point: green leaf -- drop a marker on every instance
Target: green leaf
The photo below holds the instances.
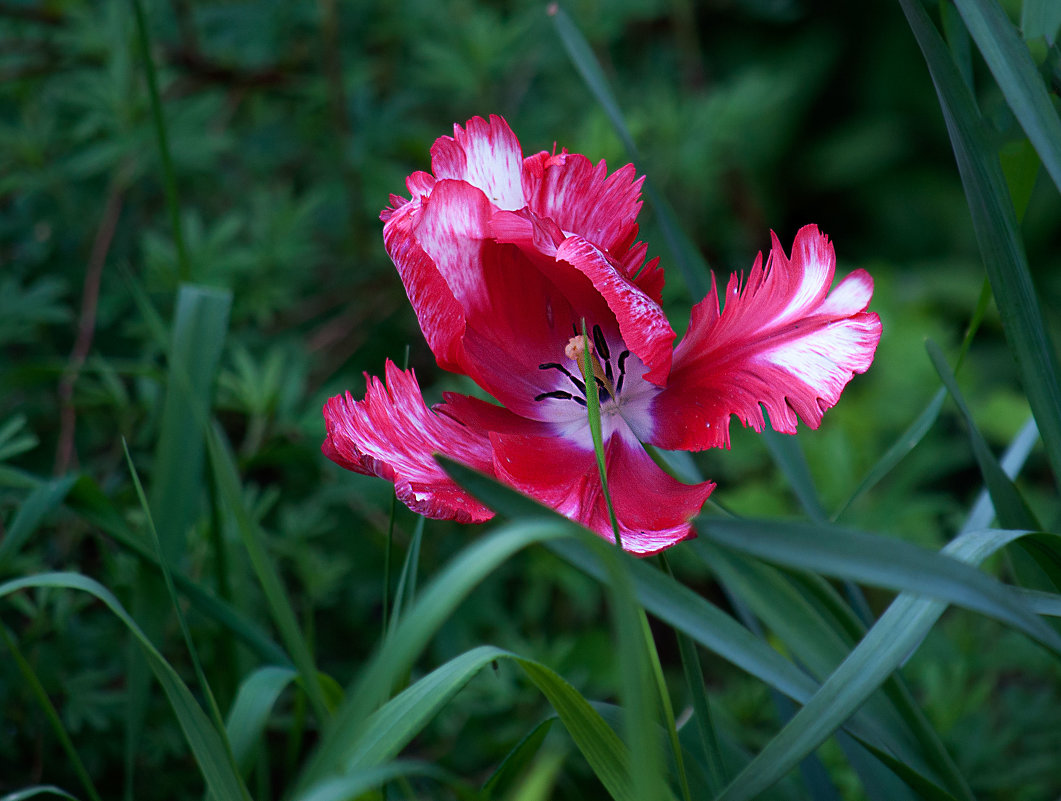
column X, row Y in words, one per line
column 517, row 761
column 354, row 786
column 251, row 710
column 32, row 792
column 45, row 498
column 891, row 640
column 879, row 562
column 997, row 235
column 1009, row 505
column 398, row 652
column 227, row 478
column 205, row 741
column 1010, row 62
column 1040, row 18
column 690, row 263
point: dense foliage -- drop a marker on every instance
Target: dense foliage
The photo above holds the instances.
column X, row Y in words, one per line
column 183, row 285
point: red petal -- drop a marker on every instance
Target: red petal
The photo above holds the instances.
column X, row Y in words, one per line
column 642, row 323
column 783, row 341
column 439, row 313
column 486, row 155
column 653, row 510
column 583, row 199
column 393, row 435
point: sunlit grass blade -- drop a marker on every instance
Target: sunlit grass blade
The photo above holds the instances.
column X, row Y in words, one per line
column 891, row 640
column 31, row 511
column 280, row 606
column 207, row 746
column 1010, row 62
column 517, row 760
column 997, row 235
column 250, row 712
column 881, row 562
column 398, row 652
column 690, row 263
column 50, row 712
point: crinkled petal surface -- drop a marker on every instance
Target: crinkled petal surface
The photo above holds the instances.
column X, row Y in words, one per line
column 653, row 510
column 393, row 435
column 782, row 342
column 485, row 154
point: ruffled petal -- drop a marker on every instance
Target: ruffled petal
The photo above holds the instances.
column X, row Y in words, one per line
column 393, row 435
column 652, row 509
column 642, row 322
column 486, row 155
column 583, row 199
column 782, row 342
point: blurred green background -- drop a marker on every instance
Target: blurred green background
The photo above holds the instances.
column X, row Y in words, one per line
column 289, row 125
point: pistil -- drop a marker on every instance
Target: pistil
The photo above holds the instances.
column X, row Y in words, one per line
column 575, row 349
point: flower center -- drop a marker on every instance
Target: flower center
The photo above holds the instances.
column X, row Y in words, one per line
column 608, row 379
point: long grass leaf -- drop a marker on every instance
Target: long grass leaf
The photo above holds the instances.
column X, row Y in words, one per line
column 204, row 740
column 517, row 760
column 1010, row 506
column 398, row 652
column 1010, row 62
column 276, row 596
column 997, row 235
column 251, row 710
column 33, row 792
column 891, row 640
column 880, row 562
column 690, row 263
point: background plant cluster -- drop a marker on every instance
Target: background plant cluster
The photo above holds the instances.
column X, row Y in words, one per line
column 288, row 124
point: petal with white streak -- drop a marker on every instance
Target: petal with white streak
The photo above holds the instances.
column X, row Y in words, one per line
column 782, row 342
column 486, row 155
column 393, row 435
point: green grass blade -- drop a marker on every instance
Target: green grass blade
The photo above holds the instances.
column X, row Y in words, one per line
column 33, row 792
column 199, row 326
column 207, row 747
column 1010, row 506
column 88, row 500
column 355, row 786
column 406, row 591
column 997, row 236
column 788, row 456
column 283, row 613
column 672, row 603
column 891, row 640
column 56, row 722
column 1010, row 62
column 169, row 178
column 433, row 606
column 1040, row 19
column 251, row 710
column 31, row 511
column 880, row 562
column 690, row 263
column 983, row 510
column 517, row 760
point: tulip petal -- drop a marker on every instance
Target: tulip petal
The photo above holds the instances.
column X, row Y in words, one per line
column 653, row 510
column 486, row 155
column 393, row 435
column 642, row 322
column 783, row 342
column 583, row 199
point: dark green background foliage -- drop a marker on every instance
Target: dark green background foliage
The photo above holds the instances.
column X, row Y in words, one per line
column 289, row 123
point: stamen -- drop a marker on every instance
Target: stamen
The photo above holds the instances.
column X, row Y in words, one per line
column 559, row 394
column 579, row 384
column 576, row 350
column 622, row 370
column 601, row 343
